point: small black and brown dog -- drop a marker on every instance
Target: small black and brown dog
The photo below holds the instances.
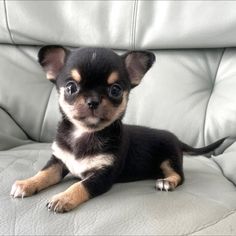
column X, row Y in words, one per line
column 91, row 142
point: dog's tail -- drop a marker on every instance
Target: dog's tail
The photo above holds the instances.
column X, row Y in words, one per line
column 203, row 150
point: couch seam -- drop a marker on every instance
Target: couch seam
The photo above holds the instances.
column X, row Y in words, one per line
column 131, row 28
column 211, row 92
column 45, row 110
column 7, row 22
column 16, row 122
column 214, row 223
column 133, row 25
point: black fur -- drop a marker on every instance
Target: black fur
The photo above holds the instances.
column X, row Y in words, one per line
column 137, row 152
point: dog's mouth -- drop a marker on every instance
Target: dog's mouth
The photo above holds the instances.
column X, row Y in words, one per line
column 92, row 119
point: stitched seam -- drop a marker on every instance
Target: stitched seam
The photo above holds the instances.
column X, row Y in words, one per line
column 45, row 110
column 17, row 124
column 211, row 92
column 214, row 223
column 7, row 22
column 133, row 25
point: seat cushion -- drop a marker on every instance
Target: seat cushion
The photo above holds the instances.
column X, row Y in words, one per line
column 202, row 202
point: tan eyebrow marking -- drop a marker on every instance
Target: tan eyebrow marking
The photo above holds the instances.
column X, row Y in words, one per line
column 113, row 77
column 75, row 75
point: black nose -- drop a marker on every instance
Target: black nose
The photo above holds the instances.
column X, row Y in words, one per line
column 93, row 102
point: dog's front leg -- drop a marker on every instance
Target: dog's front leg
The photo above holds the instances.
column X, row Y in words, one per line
column 96, row 184
column 51, row 174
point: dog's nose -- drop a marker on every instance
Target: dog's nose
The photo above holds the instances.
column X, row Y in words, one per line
column 93, row 102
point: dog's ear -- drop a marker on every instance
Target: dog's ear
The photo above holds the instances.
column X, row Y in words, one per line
column 52, row 59
column 137, row 63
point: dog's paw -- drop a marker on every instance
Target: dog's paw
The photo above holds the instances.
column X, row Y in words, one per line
column 164, row 184
column 60, row 203
column 23, row 188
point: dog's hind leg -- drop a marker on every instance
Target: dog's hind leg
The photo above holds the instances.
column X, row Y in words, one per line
column 173, row 176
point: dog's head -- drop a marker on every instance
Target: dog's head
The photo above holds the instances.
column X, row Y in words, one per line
column 93, row 83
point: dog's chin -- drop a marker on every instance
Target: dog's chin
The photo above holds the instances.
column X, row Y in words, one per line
column 92, row 123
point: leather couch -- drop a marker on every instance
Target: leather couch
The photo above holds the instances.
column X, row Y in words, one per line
column 191, row 91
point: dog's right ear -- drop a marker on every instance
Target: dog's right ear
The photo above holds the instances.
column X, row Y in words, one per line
column 52, row 59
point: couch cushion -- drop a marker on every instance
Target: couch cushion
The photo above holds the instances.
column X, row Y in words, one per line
column 88, row 23
column 134, row 208
column 26, row 95
column 119, row 24
column 185, row 24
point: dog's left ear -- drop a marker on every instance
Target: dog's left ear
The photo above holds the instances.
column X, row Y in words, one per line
column 52, row 58
column 137, row 63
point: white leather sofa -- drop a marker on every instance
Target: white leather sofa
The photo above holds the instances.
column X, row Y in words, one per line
column 191, row 91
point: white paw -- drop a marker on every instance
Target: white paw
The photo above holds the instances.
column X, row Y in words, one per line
column 22, row 188
column 17, row 191
column 163, row 184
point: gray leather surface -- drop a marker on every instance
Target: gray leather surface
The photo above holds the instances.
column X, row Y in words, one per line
column 227, row 162
column 127, row 209
column 22, row 76
column 223, row 225
column 11, row 134
column 120, row 24
column 4, row 34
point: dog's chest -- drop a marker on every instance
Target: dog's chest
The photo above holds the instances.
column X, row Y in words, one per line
column 78, row 167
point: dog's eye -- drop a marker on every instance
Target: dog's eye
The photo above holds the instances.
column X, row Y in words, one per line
column 115, row 91
column 71, row 88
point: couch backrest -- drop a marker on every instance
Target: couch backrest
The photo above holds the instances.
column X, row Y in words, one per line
column 188, row 91
column 119, row 24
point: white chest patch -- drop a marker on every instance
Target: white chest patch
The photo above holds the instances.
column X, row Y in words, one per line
column 78, row 166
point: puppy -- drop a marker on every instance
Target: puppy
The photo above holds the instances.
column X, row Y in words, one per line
column 91, row 142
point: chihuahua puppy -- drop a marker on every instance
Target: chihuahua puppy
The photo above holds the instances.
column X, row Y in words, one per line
column 91, row 142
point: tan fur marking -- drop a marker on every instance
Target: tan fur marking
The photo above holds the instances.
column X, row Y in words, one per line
column 41, row 180
column 114, row 112
column 69, row 199
column 113, row 78
column 75, row 75
column 70, row 111
column 47, row 177
column 123, row 105
column 170, row 175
